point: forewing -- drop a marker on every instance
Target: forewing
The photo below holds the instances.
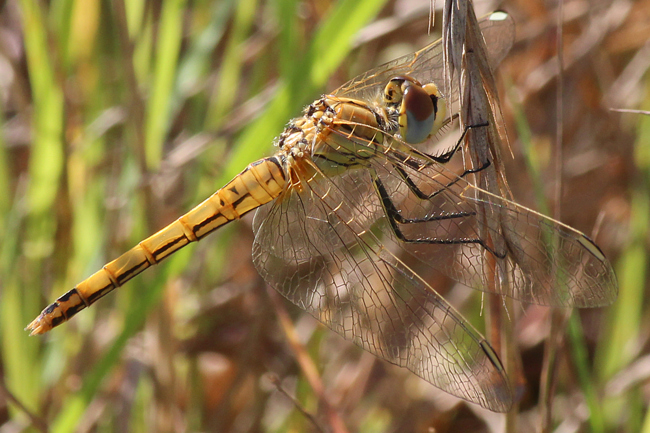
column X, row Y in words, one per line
column 462, row 228
column 303, row 229
column 426, row 64
column 334, row 266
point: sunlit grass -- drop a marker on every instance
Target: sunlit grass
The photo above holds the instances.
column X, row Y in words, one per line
column 138, row 75
column 138, row 110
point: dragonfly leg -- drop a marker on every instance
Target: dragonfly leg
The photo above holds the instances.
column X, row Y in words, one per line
column 406, row 158
column 421, row 195
column 395, row 218
column 446, row 156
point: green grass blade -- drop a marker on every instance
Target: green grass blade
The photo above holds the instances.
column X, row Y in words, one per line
column 227, row 90
column 170, row 34
column 26, row 251
column 331, row 43
column 620, row 345
column 139, row 308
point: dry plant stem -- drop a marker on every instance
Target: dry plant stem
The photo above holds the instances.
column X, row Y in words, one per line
column 625, row 110
column 601, row 25
column 627, row 89
column 479, row 100
column 276, row 381
column 162, row 364
column 36, row 421
column 559, row 116
column 92, row 418
column 557, row 317
column 494, row 318
column 307, row 365
column 136, row 107
column 478, row 103
column 222, row 418
column 136, row 110
column 511, row 359
column 164, row 347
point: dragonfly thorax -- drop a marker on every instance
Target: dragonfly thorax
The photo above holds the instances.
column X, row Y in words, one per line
column 334, row 133
column 295, row 140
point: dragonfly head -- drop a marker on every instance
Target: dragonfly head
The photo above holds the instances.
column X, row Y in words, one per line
column 419, row 110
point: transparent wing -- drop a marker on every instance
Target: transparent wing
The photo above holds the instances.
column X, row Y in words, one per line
column 426, row 65
column 320, row 249
column 459, row 229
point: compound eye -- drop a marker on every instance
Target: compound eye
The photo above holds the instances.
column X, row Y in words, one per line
column 421, row 113
column 419, row 110
column 417, row 114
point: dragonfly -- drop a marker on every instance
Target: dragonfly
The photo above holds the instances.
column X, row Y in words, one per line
column 353, row 198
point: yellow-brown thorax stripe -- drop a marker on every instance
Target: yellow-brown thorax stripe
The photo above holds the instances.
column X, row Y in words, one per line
column 349, row 132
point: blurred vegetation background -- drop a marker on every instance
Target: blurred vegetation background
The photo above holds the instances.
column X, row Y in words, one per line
column 118, row 116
